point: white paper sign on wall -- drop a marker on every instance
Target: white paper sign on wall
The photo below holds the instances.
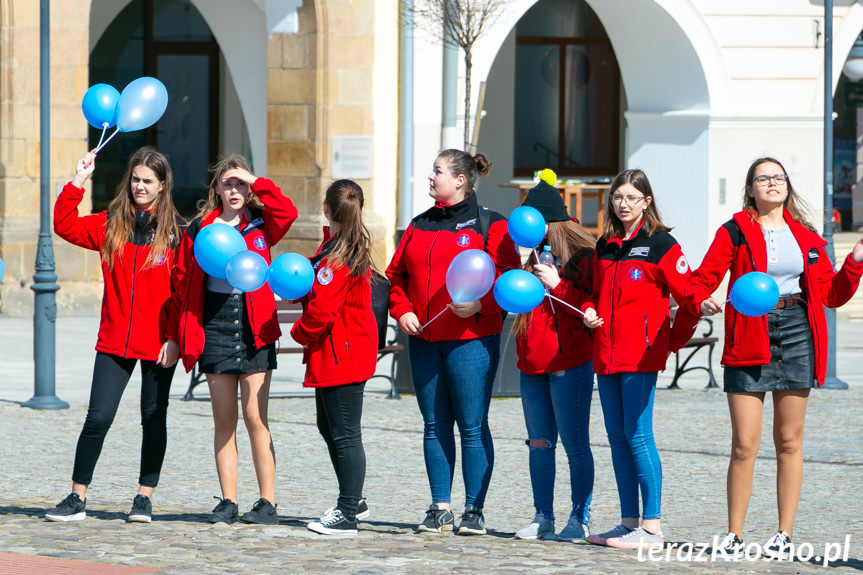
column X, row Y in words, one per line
column 352, row 157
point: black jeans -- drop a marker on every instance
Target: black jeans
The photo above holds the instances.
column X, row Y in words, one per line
column 340, row 410
column 111, row 374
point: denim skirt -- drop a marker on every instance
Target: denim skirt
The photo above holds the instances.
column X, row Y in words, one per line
column 229, row 344
column 792, row 356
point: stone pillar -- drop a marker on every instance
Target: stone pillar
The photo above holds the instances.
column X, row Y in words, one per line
column 19, row 135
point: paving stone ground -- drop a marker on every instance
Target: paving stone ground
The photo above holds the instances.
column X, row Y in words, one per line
column 692, row 432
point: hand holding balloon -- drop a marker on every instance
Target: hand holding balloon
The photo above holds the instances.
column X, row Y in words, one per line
column 710, row 307
column 409, row 323
column 591, row 320
column 84, row 169
column 466, row 309
column 547, row 275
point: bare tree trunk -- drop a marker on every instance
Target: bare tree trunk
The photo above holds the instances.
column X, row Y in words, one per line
column 468, row 64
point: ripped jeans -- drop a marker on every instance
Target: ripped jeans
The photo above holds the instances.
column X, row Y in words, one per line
column 559, row 403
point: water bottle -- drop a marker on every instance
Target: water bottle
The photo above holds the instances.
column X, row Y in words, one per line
column 545, row 257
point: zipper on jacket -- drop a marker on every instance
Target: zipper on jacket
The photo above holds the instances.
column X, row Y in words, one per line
column 333, row 348
column 428, row 282
column 646, row 332
column 131, row 299
column 611, row 315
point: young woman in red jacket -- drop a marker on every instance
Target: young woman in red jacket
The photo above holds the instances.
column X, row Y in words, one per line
column 339, row 334
column 136, row 238
column 554, row 356
column 783, row 352
column 453, row 358
column 232, row 335
column 637, row 265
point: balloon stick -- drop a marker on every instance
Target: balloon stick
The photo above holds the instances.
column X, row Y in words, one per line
column 434, row 318
column 102, row 144
column 104, row 129
column 564, row 303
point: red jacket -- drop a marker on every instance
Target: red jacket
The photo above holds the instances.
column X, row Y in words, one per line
column 261, row 228
column 632, row 281
column 135, row 319
column 338, row 328
column 739, row 246
column 556, row 337
column 418, row 269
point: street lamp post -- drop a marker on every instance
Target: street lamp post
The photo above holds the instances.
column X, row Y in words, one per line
column 831, row 381
column 44, row 280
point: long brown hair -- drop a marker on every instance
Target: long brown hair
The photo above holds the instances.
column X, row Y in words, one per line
column 219, row 169
column 352, row 246
column 571, row 243
column 612, row 227
column 472, row 167
column 796, row 205
column 122, row 213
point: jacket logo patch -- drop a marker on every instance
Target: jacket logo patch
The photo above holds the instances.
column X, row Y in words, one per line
column 682, row 265
column 325, row 275
column 813, row 256
column 260, row 244
column 463, row 240
column 465, row 224
column 640, row 252
column 636, row 274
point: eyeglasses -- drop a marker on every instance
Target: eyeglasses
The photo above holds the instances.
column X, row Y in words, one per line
column 628, row 200
column 780, row 179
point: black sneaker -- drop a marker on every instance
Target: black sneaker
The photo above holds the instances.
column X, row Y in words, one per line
column 779, row 546
column 436, row 521
column 333, row 523
column 472, row 522
column 263, row 513
column 142, row 510
column 731, row 548
column 225, row 512
column 70, row 509
column 362, row 510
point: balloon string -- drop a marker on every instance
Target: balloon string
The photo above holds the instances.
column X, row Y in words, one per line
column 564, row 303
column 102, row 145
column 434, row 318
column 104, row 129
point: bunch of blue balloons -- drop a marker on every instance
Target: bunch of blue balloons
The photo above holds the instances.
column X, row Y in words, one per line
column 221, row 251
column 140, row 106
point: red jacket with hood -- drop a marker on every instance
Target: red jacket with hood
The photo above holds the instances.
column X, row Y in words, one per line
column 739, row 246
column 135, row 312
column 418, row 269
column 632, row 282
column 337, row 330
column 261, row 228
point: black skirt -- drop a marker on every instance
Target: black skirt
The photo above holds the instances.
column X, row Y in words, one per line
column 229, row 344
column 792, row 356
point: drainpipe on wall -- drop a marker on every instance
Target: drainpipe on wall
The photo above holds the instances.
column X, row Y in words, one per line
column 406, row 121
column 449, row 135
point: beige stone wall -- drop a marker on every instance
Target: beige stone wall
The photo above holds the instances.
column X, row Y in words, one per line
column 20, row 182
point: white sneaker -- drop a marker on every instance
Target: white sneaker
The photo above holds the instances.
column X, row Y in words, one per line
column 731, row 547
column 575, row 531
column 779, row 546
column 540, row 528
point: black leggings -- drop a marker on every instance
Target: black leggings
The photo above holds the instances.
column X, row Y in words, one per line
column 340, row 410
column 111, row 373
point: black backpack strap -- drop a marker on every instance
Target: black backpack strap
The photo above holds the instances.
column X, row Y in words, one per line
column 484, row 219
column 735, row 232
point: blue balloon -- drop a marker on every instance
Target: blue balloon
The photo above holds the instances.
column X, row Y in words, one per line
column 518, row 291
column 526, row 226
column 100, row 105
column 141, row 104
column 470, row 275
column 754, row 294
column 214, row 246
column 2, row 271
column 291, row 276
column 246, row 270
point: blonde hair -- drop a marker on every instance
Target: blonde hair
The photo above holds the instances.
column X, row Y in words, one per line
column 219, row 169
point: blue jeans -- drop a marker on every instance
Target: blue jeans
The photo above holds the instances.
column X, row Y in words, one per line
column 560, row 404
column 453, row 382
column 627, row 406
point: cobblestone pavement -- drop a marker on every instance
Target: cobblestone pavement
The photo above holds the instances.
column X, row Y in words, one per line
column 692, row 433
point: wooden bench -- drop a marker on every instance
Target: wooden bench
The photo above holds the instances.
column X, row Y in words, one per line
column 690, row 349
column 289, row 313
